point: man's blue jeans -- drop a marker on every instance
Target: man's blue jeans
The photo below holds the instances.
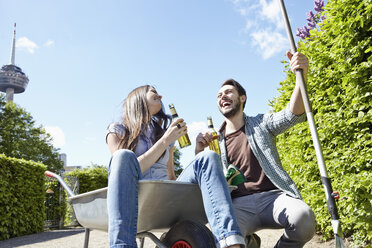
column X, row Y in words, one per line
column 205, row 170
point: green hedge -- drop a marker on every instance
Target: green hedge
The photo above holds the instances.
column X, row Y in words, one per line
column 91, row 178
column 22, row 197
column 340, row 89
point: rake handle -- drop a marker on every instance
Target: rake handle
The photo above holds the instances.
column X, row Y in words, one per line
column 314, row 134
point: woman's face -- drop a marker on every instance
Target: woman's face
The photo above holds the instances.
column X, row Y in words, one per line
column 153, row 100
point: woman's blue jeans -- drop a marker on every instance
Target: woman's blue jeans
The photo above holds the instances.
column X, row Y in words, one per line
column 205, row 170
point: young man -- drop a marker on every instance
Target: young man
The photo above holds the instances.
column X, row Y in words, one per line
column 269, row 198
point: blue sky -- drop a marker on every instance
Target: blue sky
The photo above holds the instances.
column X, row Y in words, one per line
column 83, row 57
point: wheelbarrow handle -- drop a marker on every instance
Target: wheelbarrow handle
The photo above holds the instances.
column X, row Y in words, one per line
column 61, row 181
column 49, row 174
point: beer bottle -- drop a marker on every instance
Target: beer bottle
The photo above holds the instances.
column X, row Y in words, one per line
column 184, row 139
column 214, row 145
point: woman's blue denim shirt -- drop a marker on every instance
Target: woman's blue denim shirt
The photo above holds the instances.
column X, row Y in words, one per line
column 158, row 171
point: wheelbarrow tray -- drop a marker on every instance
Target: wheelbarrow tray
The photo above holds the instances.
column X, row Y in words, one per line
column 161, row 204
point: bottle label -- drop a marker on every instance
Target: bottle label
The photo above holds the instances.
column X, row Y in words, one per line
column 173, row 111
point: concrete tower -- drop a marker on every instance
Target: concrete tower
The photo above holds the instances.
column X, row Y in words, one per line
column 12, row 79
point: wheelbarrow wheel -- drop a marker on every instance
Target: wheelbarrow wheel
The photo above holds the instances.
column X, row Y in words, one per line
column 189, row 234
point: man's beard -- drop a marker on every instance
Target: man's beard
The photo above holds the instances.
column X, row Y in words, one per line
column 233, row 111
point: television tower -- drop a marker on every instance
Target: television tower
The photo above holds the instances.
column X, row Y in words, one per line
column 12, row 79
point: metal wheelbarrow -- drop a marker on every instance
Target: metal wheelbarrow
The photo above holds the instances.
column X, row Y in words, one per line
column 163, row 206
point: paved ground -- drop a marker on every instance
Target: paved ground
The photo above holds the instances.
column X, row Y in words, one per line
column 74, row 238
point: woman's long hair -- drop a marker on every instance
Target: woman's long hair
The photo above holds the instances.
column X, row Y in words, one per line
column 137, row 118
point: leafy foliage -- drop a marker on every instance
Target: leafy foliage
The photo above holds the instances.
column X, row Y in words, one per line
column 90, row 178
column 340, row 89
column 20, row 138
column 22, row 197
column 177, row 164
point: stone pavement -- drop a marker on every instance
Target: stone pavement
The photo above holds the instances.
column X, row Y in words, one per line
column 74, row 238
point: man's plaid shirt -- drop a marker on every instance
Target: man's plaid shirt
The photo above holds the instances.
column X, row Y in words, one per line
column 261, row 132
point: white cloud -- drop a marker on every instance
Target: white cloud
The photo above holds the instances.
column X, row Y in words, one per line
column 58, row 137
column 49, row 43
column 263, row 24
column 197, row 127
column 249, row 24
column 269, row 43
column 242, row 11
column 271, row 12
column 26, row 44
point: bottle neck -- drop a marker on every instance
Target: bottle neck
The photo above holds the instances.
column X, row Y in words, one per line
column 210, row 123
column 173, row 112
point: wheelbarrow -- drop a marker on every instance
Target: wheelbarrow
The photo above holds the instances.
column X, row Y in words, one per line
column 175, row 208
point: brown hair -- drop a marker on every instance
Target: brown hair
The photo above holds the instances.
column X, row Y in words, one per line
column 238, row 87
column 136, row 118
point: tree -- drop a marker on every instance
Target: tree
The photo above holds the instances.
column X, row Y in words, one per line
column 20, row 138
column 177, row 164
column 340, row 89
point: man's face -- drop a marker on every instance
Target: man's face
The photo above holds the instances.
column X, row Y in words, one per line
column 229, row 102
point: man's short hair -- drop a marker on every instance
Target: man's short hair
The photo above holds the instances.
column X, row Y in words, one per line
column 238, row 87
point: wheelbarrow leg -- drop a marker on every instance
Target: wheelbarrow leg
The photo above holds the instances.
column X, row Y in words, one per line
column 152, row 237
column 142, row 242
column 86, row 239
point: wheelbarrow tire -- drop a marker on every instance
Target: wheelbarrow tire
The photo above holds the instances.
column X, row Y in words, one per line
column 187, row 234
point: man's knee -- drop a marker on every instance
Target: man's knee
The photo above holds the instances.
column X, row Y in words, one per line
column 207, row 160
column 305, row 223
column 208, row 155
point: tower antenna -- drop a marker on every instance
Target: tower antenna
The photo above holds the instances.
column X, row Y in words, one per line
column 12, row 53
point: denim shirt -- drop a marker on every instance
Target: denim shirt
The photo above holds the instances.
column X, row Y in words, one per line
column 261, row 132
column 158, row 171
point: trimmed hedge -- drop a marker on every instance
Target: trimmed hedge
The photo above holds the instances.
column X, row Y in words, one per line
column 91, row 178
column 340, row 89
column 22, row 197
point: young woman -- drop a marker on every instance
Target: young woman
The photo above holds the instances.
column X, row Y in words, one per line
column 142, row 148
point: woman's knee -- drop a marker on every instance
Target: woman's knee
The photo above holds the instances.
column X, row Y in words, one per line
column 124, row 153
column 124, row 161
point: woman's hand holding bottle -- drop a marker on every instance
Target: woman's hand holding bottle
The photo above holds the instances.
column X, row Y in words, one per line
column 175, row 130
